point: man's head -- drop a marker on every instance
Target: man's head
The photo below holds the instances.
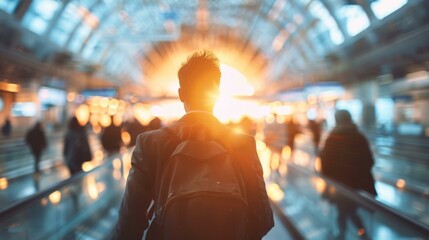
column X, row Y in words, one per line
column 199, row 79
column 343, row 117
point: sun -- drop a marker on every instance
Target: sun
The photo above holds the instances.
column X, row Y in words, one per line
column 234, row 83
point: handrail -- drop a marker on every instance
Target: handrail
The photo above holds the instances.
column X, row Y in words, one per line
column 368, row 202
column 29, row 200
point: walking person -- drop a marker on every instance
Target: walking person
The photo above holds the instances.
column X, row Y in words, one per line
column 76, row 147
column 347, row 159
column 6, row 129
column 35, row 138
column 316, row 130
column 221, row 197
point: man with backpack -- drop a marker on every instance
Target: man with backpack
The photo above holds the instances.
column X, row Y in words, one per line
column 195, row 179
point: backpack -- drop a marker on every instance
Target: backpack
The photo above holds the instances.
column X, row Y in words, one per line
column 202, row 192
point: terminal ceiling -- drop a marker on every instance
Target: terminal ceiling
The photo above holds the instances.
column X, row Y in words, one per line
column 276, row 44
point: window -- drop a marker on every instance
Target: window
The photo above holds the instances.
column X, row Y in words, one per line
column 65, row 25
column 383, row 8
column 327, row 23
column 355, row 18
column 8, row 5
column 39, row 14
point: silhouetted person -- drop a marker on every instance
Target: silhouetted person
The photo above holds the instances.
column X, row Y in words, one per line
column 111, row 138
column 316, row 130
column 154, row 124
column 6, row 129
column 134, row 128
column 199, row 79
column 347, row 158
column 36, row 140
column 292, row 129
column 247, row 126
column 76, row 147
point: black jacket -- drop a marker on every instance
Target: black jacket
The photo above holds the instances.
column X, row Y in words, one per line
column 347, row 158
column 153, row 148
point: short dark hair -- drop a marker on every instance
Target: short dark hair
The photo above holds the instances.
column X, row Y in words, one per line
column 199, row 74
column 343, row 117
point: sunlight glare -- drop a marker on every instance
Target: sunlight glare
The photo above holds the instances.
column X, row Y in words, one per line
column 234, row 83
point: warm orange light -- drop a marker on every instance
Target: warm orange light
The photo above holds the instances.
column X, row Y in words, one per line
column 82, row 114
column 400, row 183
column 234, row 83
column 104, row 102
column 3, row 183
column 87, row 166
column 117, row 163
column 96, row 129
column 92, row 187
column 44, row 201
column 275, row 192
column 286, row 152
column 232, row 109
column 55, row 197
column 71, row 96
column 318, row 164
column 105, row 120
column 126, row 138
column 117, row 120
column 319, row 184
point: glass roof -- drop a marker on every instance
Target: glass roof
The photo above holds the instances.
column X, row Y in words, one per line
column 115, row 33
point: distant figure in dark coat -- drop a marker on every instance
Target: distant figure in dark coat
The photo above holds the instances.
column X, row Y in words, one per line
column 292, row 129
column 111, row 138
column 154, row 124
column 6, row 129
column 76, row 147
column 315, row 129
column 36, row 140
column 134, row 128
column 347, row 158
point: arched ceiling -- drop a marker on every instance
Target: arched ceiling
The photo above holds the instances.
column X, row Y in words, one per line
column 276, row 44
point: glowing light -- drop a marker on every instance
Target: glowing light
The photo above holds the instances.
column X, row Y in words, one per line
column 105, row 120
column 318, row 164
column 283, row 169
column 286, row 152
column 361, row 232
column 270, row 119
column 275, row 192
column 82, row 114
column 126, row 137
column 234, row 83
column 142, row 113
column 231, row 109
column 55, row 197
column 400, row 183
column 104, row 102
column 87, row 166
column 44, row 201
column 92, row 187
column 113, row 103
column 283, row 110
column 117, row 120
column 157, row 111
column 117, row 163
column 96, row 129
column 319, row 184
column 71, row 96
column 3, row 183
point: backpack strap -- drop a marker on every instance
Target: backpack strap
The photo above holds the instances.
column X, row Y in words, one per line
column 176, row 141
